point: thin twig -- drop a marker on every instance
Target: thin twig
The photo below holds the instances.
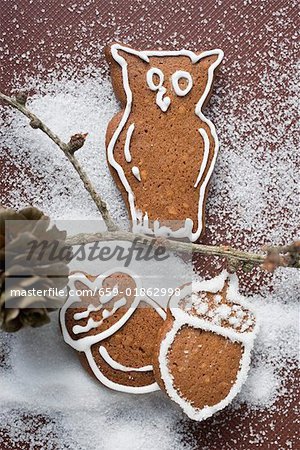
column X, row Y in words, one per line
column 250, row 259
column 176, row 246
column 68, row 150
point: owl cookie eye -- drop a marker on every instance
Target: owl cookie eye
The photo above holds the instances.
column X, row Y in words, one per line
column 182, row 75
column 155, row 78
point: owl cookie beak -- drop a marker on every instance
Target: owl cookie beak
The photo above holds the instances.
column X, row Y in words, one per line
column 162, row 102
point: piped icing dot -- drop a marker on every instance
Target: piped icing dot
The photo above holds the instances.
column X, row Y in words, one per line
column 202, row 308
column 240, row 313
column 233, row 320
column 136, row 172
column 223, row 311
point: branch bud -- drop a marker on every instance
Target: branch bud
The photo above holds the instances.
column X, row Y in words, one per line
column 76, row 142
column 35, row 123
column 21, row 97
column 273, row 260
column 294, row 255
column 232, row 264
column 248, row 266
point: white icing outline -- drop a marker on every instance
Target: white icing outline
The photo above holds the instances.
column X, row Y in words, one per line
column 205, row 156
column 84, row 344
column 91, row 323
column 127, row 143
column 149, row 78
column 115, row 365
column 137, row 222
column 182, row 318
column 175, row 82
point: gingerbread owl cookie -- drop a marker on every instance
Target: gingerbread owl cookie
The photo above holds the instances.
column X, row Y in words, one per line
column 203, row 350
column 161, row 148
column 113, row 328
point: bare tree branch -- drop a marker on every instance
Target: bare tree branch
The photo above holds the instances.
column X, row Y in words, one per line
column 245, row 259
column 69, row 149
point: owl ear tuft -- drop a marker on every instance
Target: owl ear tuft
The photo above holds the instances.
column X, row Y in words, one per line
column 209, row 58
column 119, row 52
column 120, row 55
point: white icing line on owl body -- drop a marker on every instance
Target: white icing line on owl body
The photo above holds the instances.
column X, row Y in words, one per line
column 136, row 172
column 127, row 143
column 84, row 344
column 205, row 155
column 182, row 319
column 144, row 55
column 183, row 232
column 175, row 82
column 143, row 223
column 115, row 365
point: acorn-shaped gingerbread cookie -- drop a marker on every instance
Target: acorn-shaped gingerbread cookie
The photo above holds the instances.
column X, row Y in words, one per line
column 161, row 148
column 203, row 350
column 113, row 328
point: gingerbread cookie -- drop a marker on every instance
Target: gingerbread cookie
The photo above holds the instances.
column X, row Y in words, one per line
column 113, row 328
column 161, row 149
column 203, row 350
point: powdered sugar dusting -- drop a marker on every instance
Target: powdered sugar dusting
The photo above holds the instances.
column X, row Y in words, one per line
column 67, row 106
column 87, row 415
column 257, row 166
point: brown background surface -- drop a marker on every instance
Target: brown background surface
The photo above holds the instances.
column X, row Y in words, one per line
column 55, row 33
